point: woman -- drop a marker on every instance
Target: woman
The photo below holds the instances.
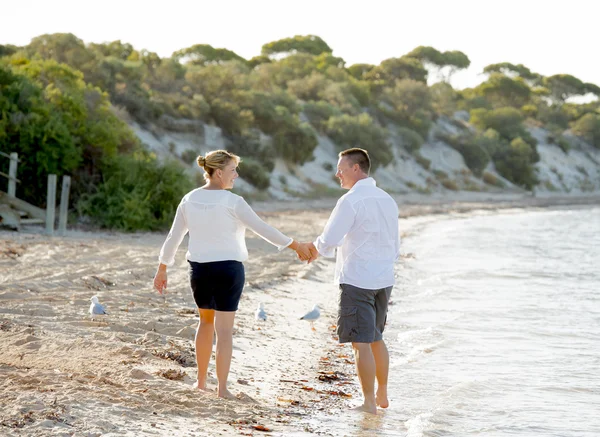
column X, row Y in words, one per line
column 216, row 220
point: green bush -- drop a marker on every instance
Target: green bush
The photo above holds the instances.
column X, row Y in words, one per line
column 409, row 104
column 473, row 149
column 588, row 127
column 423, row 162
column 319, row 112
column 230, row 117
column 58, row 125
column 295, row 143
column 255, row 172
column 411, row 140
column 508, row 122
column 189, row 156
column 449, row 184
column 491, row 179
column 515, row 163
column 361, row 131
column 248, row 145
column 136, row 192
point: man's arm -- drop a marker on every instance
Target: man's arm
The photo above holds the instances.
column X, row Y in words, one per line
column 339, row 224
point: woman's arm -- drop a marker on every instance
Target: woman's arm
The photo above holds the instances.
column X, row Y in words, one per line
column 174, row 239
column 252, row 221
column 169, row 248
column 160, row 279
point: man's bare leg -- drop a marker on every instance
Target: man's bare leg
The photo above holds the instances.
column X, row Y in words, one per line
column 204, row 343
column 224, row 330
column 365, row 367
column 382, row 368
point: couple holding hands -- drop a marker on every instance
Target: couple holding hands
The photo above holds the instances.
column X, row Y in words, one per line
column 363, row 227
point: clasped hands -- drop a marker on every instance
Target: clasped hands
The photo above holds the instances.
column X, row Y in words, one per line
column 307, row 252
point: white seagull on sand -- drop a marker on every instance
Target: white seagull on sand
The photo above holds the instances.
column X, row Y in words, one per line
column 96, row 308
column 260, row 313
column 312, row 315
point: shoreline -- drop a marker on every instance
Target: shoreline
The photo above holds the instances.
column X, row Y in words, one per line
column 290, row 377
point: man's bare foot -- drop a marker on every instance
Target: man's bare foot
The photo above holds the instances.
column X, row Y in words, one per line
column 381, row 398
column 225, row 394
column 366, row 408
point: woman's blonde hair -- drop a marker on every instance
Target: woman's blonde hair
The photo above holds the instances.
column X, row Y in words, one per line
column 216, row 159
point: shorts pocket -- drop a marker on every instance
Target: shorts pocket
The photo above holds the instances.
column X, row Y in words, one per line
column 347, row 327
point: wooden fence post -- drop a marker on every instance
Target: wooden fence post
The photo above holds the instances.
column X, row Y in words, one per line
column 12, row 174
column 64, row 205
column 50, row 204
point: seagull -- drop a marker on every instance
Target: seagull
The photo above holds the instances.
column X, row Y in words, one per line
column 96, row 308
column 311, row 316
column 260, row 313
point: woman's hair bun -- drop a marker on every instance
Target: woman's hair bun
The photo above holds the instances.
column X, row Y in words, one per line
column 201, row 161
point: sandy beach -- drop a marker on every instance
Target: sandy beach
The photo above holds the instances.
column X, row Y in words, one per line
column 131, row 372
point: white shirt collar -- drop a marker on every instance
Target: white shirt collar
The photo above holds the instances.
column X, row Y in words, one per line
column 366, row 182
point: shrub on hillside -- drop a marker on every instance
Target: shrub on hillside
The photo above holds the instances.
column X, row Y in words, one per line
column 255, row 172
column 588, row 127
column 491, row 179
column 319, row 112
column 508, row 122
column 409, row 104
column 189, row 156
column 422, row 161
column 411, row 140
column 361, row 131
column 248, row 145
column 230, row 117
column 295, row 143
column 515, row 163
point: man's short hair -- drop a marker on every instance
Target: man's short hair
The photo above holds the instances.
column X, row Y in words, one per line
column 358, row 156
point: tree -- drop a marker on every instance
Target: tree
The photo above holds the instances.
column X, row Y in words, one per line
column 592, row 89
column 7, row 50
column 310, row 44
column 512, row 70
column 393, row 69
column 204, row 54
column 61, row 47
column 502, row 91
column 115, row 49
column 564, row 86
column 444, row 64
column 358, row 71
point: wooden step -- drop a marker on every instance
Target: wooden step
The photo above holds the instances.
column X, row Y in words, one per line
column 32, row 221
column 21, row 205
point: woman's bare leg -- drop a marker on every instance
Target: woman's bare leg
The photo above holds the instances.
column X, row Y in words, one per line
column 224, row 329
column 204, row 342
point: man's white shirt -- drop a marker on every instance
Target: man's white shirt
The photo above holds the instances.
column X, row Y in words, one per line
column 364, row 227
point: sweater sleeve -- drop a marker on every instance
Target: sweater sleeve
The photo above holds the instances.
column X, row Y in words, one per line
column 252, row 221
column 175, row 237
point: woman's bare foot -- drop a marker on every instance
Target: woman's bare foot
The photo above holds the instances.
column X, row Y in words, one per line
column 202, row 387
column 381, row 398
column 366, row 408
column 225, row 394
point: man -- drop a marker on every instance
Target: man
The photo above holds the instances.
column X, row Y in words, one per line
column 364, row 226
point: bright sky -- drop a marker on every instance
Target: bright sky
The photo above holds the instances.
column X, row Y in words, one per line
column 549, row 36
